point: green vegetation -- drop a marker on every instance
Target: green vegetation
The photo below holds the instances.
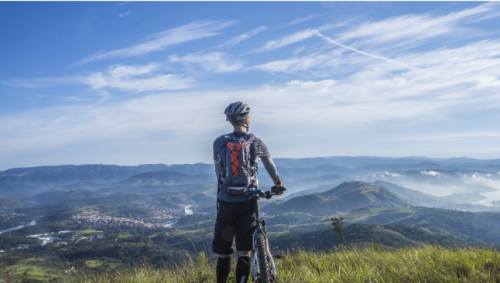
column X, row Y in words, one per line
column 8, row 205
column 93, row 263
column 352, row 264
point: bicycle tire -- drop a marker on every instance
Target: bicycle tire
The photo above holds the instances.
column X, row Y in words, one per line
column 261, row 250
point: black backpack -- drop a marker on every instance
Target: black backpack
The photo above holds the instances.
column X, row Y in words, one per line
column 238, row 163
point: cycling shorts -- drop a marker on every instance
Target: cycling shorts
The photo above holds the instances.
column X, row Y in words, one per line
column 235, row 220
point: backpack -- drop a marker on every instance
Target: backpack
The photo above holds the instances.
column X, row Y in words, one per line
column 239, row 165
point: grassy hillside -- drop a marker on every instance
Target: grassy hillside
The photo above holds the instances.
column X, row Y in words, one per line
column 8, row 205
column 370, row 264
column 482, row 226
column 345, row 197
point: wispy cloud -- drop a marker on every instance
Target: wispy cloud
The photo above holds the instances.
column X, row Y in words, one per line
column 212, row 61
column 137, row 79
column 242, row 37
column 166, row 39
column 413, row 27
column 128, row 13
column 44, row 82
column 312, row 60
column 296, row 37
column 301, row 20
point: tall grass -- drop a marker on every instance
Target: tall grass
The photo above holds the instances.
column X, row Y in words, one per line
column 368, row 264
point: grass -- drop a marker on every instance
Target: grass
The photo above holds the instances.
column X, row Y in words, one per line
column 354, row 264
column 93, row 263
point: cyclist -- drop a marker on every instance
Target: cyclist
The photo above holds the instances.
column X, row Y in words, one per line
column 236, row 215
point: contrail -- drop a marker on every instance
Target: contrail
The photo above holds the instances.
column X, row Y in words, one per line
column 361, row 52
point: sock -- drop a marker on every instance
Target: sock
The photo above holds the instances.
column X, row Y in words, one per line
column 223, row 268
column 243, row 269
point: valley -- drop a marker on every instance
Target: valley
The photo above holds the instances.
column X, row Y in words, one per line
column 120, row 216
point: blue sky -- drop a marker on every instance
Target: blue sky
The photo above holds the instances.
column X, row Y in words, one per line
column 134, row 83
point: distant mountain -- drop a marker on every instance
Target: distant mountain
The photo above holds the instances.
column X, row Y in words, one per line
column 58, row 196
column 360, row 161
column 149, row 189
column 53, row 176
column 442, row 181
column 398, row 167
column 345, row 197
column 87, row 186
column 418, row 198
column 162, row 178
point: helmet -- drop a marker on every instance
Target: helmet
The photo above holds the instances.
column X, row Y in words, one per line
column 237, row 111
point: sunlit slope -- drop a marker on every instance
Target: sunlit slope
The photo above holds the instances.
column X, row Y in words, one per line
column 347, row 196
column 482, row 226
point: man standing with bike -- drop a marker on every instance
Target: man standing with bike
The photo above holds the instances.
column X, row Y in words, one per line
column 236, row 158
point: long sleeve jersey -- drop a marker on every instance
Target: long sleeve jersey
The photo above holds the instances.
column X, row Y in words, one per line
column 260, row 148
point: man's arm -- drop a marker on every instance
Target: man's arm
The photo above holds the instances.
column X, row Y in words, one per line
column 218, row 167
column 268, row 162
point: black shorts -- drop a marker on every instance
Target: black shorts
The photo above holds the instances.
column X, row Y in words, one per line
column 234, row 220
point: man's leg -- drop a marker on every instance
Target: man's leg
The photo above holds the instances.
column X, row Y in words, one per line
column 243, row 266
column 223, row 268
column 247, row 223
column 224, row 232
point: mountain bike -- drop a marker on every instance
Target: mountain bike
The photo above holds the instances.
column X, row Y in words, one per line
column 262, row 258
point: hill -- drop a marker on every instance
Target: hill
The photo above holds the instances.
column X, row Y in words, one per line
column 59, row 207
column 345, row 197
column 59, row 196
column 162, row 178
column 475, row 227
column 8, row 205
column 18, row 191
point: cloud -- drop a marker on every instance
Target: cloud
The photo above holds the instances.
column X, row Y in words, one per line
column 242, row 37
column 128, row 13
column 213, row 61
column 132, row 78
column 44, row 82
column 411, row 28
column 166, row 39
column 301, row 20
column 296, row 37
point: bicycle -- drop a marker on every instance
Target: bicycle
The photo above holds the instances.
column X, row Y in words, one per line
column 261, row 273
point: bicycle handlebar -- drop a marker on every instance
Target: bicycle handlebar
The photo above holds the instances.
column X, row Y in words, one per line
column 260, row 193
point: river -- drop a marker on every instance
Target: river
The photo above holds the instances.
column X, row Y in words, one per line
column 32, row 223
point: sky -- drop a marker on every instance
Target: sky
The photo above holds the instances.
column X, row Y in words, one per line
column 132, row 83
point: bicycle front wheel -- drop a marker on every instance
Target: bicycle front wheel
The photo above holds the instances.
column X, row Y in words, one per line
column 261, row 250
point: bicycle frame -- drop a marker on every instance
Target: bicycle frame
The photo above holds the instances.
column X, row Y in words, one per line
column 261, row 229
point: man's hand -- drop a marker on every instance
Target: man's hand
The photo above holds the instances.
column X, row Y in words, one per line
column 279, row 186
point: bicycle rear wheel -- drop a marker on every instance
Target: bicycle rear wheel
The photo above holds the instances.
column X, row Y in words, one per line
column 261, row 250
